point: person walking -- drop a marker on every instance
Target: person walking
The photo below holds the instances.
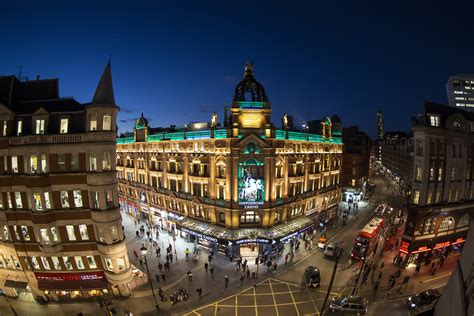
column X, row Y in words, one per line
column 226, row 281
column 417, row 269
column 163, row 277
column 253, row 275
column 206, row 265
column 242, row 278
column 157, row 277
column 171, row 257
column 286, row 258
column 135, row 254
column 274, row 266
column 186, row 253
column 161, row 294
column 158, row 252
column 211, row 270
column 160, row 266
column 433, row 265
column 248, row 273
column 190, row 276
column 199, row 292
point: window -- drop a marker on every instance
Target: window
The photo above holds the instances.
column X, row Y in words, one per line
column 249, row 217
column 447, row 224
column 432, row 174
column 9, row 200
column 464, row 220
column 92, row 162
column 453, row 173
column 107, row 123
column 109, row 199
column 19, row 128
column 56, row 264
column 63, row 129
column 44, row 236
column 6, row 233
column 74, row 162
column 108, row 264
column 17, row 234
column 106, row 164
column 25, row 233
column 91, row 261
column 47, row 200
column 5, row 128
column 93, row 122
column 79, row 263
column 44, row 165
column 101, row 234
column 83, row 231
column 70, row 233
column 121, row 263
column 18, row 202
column 114, row 233
column 45, row 263
column 15, row 164
column 434, row 120
column 39, row 126
column 61, row 162
column 77, row 198
column 94, row 199
column 221, row 217
column 34, row 164
column 64, row 199
column 35, row 263
column 37, row 202
column 67, row 263
column 54, row 233
column 416, row 197
column 440, row 173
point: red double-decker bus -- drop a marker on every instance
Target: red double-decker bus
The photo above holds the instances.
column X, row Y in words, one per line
column 367, row 239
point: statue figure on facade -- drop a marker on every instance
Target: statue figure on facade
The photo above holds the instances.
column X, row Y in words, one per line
column 214, row 120
column 284, row 122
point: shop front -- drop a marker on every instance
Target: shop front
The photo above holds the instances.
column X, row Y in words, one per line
column 129, row 207
column 413, row 254
column 60, row 286
column 351, row 195
column 252, row 247
column 14, row 288
column 205, row 241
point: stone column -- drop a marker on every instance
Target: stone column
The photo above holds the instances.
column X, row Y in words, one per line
column 186, row 173
column 268, row 177
column 212, row 177
column 285, row 182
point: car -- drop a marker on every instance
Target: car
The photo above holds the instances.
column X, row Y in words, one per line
column 329, row 251
column 422, row 299
column 312, row 277
column 353, row 304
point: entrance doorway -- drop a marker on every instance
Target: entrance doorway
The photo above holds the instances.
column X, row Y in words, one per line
column 249, row 250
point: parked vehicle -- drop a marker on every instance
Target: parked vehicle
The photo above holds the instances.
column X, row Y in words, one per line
column 330, row 250
column 312, row 277
column 422, row 300
column 353, row 304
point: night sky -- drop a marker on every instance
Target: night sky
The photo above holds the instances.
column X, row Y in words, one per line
column 178, row 61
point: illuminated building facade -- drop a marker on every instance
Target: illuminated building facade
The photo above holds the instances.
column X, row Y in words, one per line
column 61, row 234
column 442, row 184
column 460, row 92
column 245, row 184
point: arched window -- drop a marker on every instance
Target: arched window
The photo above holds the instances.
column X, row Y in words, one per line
column 249, row 217
column 463, row 221
column 447, row 224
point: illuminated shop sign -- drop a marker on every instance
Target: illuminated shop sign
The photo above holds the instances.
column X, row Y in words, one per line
column 251, row 184
column 205, row 237
column 172, row 216
column 404, row 246
column 422, row 249
column 442, row 245
column 252, row 241
column 86, row 276
column 458, row 241
column 283, row 239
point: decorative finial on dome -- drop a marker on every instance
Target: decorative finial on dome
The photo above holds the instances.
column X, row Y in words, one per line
column 249, row 70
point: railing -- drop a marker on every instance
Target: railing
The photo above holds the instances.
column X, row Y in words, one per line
column 125, row 140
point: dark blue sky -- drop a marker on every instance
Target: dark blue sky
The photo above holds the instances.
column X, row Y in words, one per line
column 178, row 61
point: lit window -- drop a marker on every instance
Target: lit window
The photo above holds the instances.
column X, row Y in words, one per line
column 61, row 162
column 101, row 234
column 15, row 164
column 54, row 233
column 17, row 234
column 19, row 128
column 33, row 164
column 44, row 236
column 83, row 231
column 94, row 199
column 45, row 263
column 92, row 162
column 79, row 263
column 74, row 162
column 70, row 232
column 25, row 233
column 91, row 261
column 44, row 164
column 5, row 128
column 56, row 264
column 67, row 263
column 64, row 199
column 35, row 263
column 447, row 224
column 418, row 173
column 37, row 201
column 47, row 200
column 416, row 197
column 114, row 233
column 18, row 202
column 434, row 120
column 6, row 233
column 77, row 198
column 121, row 263
column 107, row 122
column 106, row 162
column 108, row 264
column 110, row 199
column 64, row 126
column 93, row 122
column 39, row 126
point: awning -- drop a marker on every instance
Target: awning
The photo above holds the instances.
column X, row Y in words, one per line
column 16, row 284
column 73, row 285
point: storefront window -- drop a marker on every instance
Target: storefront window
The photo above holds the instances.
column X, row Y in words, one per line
column 121, row 263
column 56, row 264
column 91, row 261
column 64, row 199
column 77, row 198
column 37, row 201
column 70, row 232
column 18, row 202
column 79, row 263
column 67, row 263
column 83, row 231
column 45, row 262
column 44, row 236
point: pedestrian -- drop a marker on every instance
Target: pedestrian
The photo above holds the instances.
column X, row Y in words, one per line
column 274, row 266
column 226, row 281
column 161, row 294
column 141, row 263
column 163, row 277
column 248, row 273
column 231, row 257
column 242, row 278
column 158, row 252
column 434, row 270
column 160, row 266
column 286, row 258
column 171, row 257
column 417, row 269
column 190, row 276
column 135, row 254
column 433, row 265
column 253, row 275
column 209, row 258
column 206, row 265
column 157, row 277
column 186, row 252
column 199, row 292
column 211, row 269
column 167, row 266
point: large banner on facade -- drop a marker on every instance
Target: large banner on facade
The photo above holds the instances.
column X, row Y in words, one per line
column 251, row 184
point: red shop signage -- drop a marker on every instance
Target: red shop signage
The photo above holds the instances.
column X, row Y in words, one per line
column 58, row 276
column 404, row 246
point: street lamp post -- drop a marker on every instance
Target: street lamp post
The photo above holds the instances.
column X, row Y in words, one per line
column 144, row 252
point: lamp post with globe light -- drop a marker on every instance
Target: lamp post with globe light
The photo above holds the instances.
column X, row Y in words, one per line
column 144, row 252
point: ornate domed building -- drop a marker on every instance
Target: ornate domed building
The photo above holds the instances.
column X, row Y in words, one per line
column 233, row 187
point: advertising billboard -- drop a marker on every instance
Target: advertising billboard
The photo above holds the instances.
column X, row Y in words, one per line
column 251, row 184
